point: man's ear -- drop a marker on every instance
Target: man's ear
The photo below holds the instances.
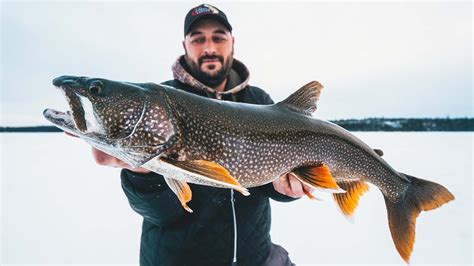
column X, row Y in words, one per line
column 184, row 46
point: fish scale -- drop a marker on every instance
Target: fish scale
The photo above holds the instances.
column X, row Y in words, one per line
column 192, row 139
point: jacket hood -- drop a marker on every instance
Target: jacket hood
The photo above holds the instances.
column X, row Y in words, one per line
column 237, row 79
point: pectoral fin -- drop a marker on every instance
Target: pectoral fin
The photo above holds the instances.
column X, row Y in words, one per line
column 348, row 201
column 182, row 190
column 318, row 177
column 210, row 171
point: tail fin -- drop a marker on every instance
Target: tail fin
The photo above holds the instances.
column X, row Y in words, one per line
column 422, row 195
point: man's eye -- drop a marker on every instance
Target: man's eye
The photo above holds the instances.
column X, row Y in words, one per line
column 218, row 39
column 198, row 40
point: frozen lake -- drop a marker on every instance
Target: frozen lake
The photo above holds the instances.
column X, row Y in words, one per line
column 59, row 207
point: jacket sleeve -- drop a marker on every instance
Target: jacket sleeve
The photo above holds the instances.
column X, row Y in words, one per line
column 267, row 99
column 150, row 196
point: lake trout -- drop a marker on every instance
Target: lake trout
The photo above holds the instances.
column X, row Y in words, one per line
column 193, row 139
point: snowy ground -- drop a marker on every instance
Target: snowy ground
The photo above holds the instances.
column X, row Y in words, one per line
column 58, row 207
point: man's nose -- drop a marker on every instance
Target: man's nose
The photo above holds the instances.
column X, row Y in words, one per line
column 65, row 80
column 210, row 48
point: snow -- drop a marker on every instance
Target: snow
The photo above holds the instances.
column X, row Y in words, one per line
column 22, row 120
column 59, row 207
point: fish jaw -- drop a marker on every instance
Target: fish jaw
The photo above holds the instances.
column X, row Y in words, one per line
column 63, row 120
column 73, row 120
column 97, row 140
column 78, row 120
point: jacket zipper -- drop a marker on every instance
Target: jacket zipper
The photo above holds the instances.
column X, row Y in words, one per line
column 232, row 200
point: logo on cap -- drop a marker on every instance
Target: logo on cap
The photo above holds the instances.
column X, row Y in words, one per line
column 204, row 9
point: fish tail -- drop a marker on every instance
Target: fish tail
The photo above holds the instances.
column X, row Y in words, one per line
column 421, row 195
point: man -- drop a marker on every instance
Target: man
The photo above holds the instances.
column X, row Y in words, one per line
column 224, row 228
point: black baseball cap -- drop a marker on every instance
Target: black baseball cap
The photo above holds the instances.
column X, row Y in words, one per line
column 205, row 11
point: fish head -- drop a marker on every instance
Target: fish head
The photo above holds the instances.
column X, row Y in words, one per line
column 102, row 106
column 126, row 120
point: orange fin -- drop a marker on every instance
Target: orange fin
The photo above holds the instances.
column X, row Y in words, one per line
column 421, row 195
column 317, row 177
column 348, row 201
column 310, row 196
column 182, row 190
column 211, row 171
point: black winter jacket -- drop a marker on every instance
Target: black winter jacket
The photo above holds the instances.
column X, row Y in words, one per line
column 172, row 236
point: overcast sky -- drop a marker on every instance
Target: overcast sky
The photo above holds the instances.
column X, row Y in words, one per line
column 375, row 59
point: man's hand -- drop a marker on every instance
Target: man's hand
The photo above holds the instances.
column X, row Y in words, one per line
column 290, row 186
column 105, row 159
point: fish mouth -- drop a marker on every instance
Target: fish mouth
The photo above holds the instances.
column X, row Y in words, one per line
column 73, row 120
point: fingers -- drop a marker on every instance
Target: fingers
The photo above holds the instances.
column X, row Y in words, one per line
column 105, row 159
column 278, row 185
column 303, row 186
column 139, row 170
column 296, row 186
column 308, row 188
column 289, row 185
column 284, row 183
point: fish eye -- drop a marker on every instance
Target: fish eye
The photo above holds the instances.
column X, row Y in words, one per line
column 95, row 89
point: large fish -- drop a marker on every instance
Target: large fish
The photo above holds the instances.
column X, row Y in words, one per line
column 192, row 139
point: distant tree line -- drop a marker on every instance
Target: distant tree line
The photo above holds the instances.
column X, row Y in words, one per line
column 30, row 129
column 407, row 124
column 367, row 124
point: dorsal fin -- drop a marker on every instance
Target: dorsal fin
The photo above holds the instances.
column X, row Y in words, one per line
column 304, row 100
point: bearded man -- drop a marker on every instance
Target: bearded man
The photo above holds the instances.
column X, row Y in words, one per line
column 225, row 228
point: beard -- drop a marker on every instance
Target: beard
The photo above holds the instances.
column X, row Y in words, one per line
column 208, row 79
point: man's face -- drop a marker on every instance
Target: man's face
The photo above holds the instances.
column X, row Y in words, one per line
column 209, row 51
